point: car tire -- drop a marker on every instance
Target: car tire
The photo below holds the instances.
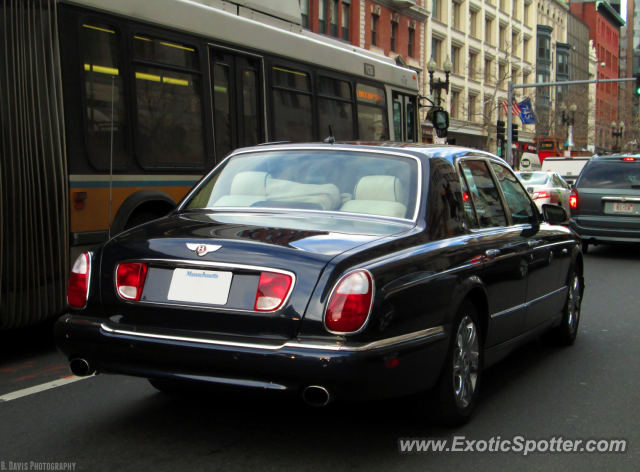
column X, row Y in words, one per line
column 454, row 397
column 565, row 334
column 585, row 247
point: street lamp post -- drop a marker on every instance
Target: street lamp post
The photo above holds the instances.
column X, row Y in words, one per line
column 439, row 85
column 617, row 134
column 569, row 121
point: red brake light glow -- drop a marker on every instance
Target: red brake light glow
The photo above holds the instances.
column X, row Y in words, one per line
column 272, row 291
column 628, row 158
column 350, row 303
column 573, row 200
column 78, row 289
column 130, row 279
column 542, row 194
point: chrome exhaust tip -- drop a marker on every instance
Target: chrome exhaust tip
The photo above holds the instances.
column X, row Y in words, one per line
column 316, row 395
column 81, row 368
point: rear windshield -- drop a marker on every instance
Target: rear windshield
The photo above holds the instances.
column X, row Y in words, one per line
column 608, row 174
column 319, row 180
column 533, row 178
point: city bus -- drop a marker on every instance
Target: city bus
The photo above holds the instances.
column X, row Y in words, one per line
column 111, row 110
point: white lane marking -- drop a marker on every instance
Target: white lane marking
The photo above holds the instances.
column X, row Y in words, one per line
column 40, row 388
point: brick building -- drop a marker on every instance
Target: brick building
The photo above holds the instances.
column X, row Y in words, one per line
column 604, row 29
column 392, row 28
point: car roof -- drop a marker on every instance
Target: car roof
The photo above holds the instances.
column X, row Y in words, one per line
column 448, row 152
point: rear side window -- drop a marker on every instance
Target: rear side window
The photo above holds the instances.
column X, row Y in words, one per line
column 484, row 193
column 611, row 174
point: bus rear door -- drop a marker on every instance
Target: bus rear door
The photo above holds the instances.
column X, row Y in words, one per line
column 238, row 116
column 404, row 117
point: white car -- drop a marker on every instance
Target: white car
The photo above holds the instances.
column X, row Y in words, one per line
column 546, row 187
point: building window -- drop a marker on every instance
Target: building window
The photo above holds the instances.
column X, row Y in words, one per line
column 346, row 18
column 322, row 13
column 473, row 65
column 436, row 48
column 456, row 16
column 525, row 50
column 488, row 72
column 527, row 13
column 473, row 23
column 503, row 5
column 412, row 41
column 471, row 112
column 436, row 6
column 455, row 59
column 515, row 42
column 563, row 64
column 488, row 112
column 514, row 8
column 488, row 37
column 502, row 75
column 304, row 10
column 544, row 48
column 503, row 38
column 455, row 104
column 333, row 18
column 374, row 29
column 394, row 36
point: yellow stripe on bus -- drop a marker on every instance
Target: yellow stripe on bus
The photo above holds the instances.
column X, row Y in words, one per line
column 290, row 71
column 157, row 78
column 99, row 29
column 176, row 46
column 102, row 70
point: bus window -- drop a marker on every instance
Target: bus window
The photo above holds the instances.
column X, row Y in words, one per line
column 222, row 107
column 170, row 129
column 410, row 121
column 292, row 105
column 397, row 119
column 250, row 107
column 101, row 63
column 372, row 114
column 336, row 111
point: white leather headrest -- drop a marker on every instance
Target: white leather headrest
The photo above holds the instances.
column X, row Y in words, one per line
column 250, row 183
column 381, row 188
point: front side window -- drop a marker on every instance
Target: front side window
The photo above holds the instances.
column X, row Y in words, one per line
column 372, row 113
column 292, row 105
column 484, row 193
column 520, row 205
column 169, row 103
column 104, row 91
column 342, row 181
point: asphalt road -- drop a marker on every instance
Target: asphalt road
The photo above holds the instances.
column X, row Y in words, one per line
column 589, row 390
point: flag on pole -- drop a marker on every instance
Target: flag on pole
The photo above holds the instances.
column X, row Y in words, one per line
column 515, row 109
column 527, row 116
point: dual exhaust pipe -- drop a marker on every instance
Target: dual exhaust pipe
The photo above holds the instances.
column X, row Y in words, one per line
column 315, row 395
column 81, row 367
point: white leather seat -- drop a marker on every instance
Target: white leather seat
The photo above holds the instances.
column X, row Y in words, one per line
column 378, row 195
column 247, row 188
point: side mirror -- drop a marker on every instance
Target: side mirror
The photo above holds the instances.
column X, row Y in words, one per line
column 554, row 214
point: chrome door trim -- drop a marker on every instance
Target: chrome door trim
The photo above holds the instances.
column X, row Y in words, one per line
column 525, row 305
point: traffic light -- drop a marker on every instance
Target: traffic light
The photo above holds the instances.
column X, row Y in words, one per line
column 501, row 130
column 514, row 133
column 440, row 120
column 638, row 84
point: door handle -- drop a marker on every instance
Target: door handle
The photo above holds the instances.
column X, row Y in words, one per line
column 491, row 253
column 533, row 242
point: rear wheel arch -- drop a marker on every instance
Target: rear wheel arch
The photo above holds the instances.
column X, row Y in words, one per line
column 473, row 290
column 144, row 202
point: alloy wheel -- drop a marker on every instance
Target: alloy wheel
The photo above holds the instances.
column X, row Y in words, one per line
column 465, row 362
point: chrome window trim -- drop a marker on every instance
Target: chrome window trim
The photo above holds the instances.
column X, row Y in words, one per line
column 525, row 305
column 430, row 334
column 324, row 212
column 177, row 262
column 366, row 321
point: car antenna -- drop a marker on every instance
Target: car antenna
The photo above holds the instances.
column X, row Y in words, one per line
column 330, row 139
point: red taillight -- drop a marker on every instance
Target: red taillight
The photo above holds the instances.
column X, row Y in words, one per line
column 573, row 200
column 272, row 291
column 628, row 158
column 538, row 195
column 79, row 281
column 130, row 278
column 350, row 303
column 465, row 196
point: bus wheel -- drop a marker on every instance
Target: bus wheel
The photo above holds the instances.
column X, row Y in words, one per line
column 140, row 218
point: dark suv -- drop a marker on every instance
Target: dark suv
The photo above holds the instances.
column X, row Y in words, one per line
column 605, row 203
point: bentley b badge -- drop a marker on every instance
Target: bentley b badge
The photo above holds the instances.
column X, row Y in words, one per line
column 202, row 249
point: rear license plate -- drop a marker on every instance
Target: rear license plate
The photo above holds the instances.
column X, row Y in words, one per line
column 623, row 207
column 200, row 286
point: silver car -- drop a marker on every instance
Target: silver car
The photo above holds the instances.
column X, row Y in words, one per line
column 546, row 187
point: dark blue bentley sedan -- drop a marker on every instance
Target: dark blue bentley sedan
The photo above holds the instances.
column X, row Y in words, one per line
column 350, row 271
